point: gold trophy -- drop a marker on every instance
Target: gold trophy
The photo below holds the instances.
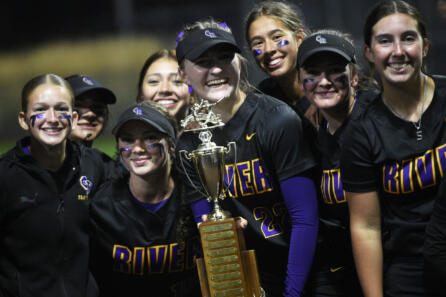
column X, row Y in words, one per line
column 227, row 269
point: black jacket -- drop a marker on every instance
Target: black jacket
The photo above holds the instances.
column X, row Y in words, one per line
column 44, row 219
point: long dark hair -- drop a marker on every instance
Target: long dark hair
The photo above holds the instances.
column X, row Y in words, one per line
column 288, row 14
column 164, row 53
column 387, row 8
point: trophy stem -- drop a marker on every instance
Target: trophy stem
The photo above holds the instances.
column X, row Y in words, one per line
column 218, row 213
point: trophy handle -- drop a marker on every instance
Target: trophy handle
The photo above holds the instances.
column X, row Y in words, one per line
column 188, row 157
column 228, row 150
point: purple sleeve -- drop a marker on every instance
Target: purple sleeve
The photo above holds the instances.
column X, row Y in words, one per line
column 300, row 198
column 199, row 208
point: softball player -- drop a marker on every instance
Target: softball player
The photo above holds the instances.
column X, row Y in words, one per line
column 274, row 31
column 270, row 185
column 393, row 162
column 159, row 82
column 46, row 182
column 91, row 102
column 144, row 238
column 329, row 76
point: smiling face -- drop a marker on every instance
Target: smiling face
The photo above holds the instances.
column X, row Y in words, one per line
column 274, row 46
column 92, row 117
column 143, row 149
column 215, row 75
column 327, row 80
column 397, row 49
column 49, row 116
column 163, row 85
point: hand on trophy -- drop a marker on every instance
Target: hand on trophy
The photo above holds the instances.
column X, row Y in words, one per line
column 242, row 223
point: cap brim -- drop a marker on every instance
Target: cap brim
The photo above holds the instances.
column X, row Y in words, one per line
column 103, row 94
column 327, row 49
column 200, row 50
column 147, row 121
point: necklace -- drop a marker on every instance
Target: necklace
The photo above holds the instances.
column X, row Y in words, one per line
column 417, row 125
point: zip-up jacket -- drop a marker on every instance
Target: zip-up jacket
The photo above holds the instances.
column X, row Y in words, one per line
column 44, row 220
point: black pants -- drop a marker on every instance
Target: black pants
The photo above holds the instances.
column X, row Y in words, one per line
column 333, row 282
column 405, row 277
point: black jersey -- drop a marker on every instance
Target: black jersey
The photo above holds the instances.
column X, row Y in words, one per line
column 382, row 154
column 44, row 218
column 269, row 86
column 435, row 244
column 334, row 234
column 137, row 252
column 270, row 149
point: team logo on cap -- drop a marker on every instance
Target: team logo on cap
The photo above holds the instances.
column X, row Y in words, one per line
column 210, row 34
column 87, row 80
column 321, row 39
column 86, row 184
column 137, row 110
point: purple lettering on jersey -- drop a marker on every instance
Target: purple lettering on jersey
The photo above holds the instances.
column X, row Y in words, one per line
column 121, row 258
column 441, row 158
column 244, row 170
column 281, row 212
column 331, row 187
column 406, row 177
column 325, row 187
column 156, row 257
column 390, row 178
column 138, row 260
column 260, row 181
column 269, row 227
column 231, row 181
column 424, row 167
column 338, row 190
column 176, row 261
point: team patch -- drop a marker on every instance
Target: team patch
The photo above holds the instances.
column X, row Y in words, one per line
column 210, row 34
column 86, row 184
column 321, row 39
column 87, row 80
column 137, row 111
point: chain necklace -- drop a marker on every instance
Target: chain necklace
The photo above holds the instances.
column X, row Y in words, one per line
column 417, row 125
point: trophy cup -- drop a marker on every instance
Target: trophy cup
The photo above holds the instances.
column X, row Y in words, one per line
column 227, row 268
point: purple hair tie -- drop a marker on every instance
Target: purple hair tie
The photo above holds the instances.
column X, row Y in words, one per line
column 223, row 25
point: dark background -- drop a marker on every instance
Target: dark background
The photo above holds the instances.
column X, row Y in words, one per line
column 28, row 25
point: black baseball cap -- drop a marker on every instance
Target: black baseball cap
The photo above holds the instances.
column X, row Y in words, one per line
column 82, row 84
column 325, row 43
column 147, row 114
column 199, row 41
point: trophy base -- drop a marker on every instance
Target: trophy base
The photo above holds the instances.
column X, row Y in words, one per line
column 227, row 269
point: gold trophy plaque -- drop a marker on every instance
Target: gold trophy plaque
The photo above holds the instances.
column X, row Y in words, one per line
column 227, row 268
